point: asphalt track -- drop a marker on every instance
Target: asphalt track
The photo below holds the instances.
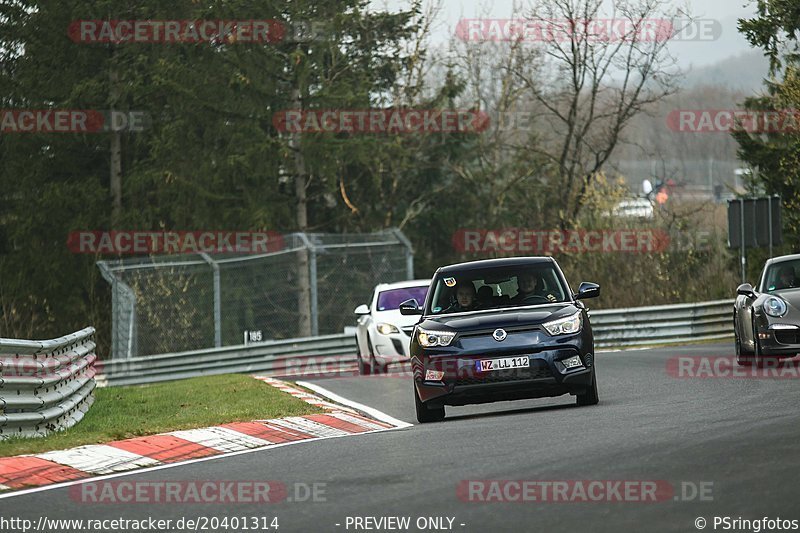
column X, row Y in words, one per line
column 737, row 437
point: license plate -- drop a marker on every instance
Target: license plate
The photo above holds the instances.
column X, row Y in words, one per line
column 489, row 365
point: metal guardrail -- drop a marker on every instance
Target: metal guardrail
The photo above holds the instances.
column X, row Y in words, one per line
column 640, row 326
column 663, row 324
column 45, row 385
column 271, row 357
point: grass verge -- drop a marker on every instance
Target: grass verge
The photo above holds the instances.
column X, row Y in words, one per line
column 134, row 411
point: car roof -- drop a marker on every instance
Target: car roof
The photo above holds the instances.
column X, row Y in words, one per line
column 781, row 259
column 496, row 263
column 402, row 284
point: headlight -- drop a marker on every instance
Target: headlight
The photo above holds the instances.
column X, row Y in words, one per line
column 386, row 329
column 775, row 306
column 429, row 339
column 565, row 326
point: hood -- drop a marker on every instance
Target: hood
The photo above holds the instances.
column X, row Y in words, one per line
column 501, row 318
column 792, row 296
column 395, row 318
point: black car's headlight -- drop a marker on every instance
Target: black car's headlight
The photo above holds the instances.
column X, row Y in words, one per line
column 565, row 326
column 775, row 306
column 429, row 339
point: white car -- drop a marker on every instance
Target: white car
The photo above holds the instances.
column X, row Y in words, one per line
column 383, row 335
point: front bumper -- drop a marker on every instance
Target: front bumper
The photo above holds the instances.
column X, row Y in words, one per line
column 778, row 342
column 392, row 348
column 463, row 384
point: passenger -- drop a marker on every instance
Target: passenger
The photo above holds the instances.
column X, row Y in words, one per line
column 485, row 295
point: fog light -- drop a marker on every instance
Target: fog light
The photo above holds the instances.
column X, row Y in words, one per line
column 763, row 336
column 434, row 375
column 572, row 362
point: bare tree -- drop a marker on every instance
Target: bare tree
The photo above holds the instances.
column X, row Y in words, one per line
column 503, row 165
column 599, row 68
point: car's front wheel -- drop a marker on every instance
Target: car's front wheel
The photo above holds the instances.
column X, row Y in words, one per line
column 758, row 354
column 590, row 397
column 744, row 357
column 364, row 368
column 375, row 367
column 427, row 414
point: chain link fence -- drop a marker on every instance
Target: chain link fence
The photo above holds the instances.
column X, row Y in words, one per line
column 166, row 304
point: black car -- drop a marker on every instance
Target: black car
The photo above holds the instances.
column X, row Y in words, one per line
column 766, row 319
column 501, row 329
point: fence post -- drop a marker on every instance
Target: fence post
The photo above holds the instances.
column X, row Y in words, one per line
column 307, row 297
column 312, row 266
column 217, row 300
column 409, row 252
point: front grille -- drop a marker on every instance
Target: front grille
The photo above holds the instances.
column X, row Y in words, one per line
column 538, row 370
column 787, row 337
column 488, row 332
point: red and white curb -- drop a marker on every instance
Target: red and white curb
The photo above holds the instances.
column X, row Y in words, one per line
column 66, row 467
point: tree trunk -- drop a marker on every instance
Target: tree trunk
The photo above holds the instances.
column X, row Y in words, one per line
column 303, row 274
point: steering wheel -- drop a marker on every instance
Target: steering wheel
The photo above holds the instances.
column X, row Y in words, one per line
column 532, row 299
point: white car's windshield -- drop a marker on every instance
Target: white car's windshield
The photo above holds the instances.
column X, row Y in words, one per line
column 391, row 299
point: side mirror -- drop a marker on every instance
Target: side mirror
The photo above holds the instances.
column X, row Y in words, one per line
column 410, row 307
column 588, row 290
column 745, row 289
column 362, row 310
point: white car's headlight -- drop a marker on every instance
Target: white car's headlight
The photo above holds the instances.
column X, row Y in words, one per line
column 386, row 329
column 775, row 306
column 565, row 326
column 429, row 339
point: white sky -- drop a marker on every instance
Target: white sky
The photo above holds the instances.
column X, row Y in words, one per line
column 697, row 53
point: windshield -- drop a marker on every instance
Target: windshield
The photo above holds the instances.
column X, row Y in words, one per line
column 781, row 276
column 391, row 299
column 476, row 290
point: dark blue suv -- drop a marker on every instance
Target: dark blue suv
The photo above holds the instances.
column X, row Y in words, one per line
column 501, row 329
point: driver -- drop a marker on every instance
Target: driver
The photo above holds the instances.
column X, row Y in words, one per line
column 529, row 285
column 466, row 298
column 786, row 278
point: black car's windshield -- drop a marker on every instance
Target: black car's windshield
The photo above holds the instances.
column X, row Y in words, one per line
column 476, row 290
column 781, row 276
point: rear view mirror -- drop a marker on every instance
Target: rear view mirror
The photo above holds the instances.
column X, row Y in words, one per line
column 410, row 307
column 362, row 310
column 745, row 289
